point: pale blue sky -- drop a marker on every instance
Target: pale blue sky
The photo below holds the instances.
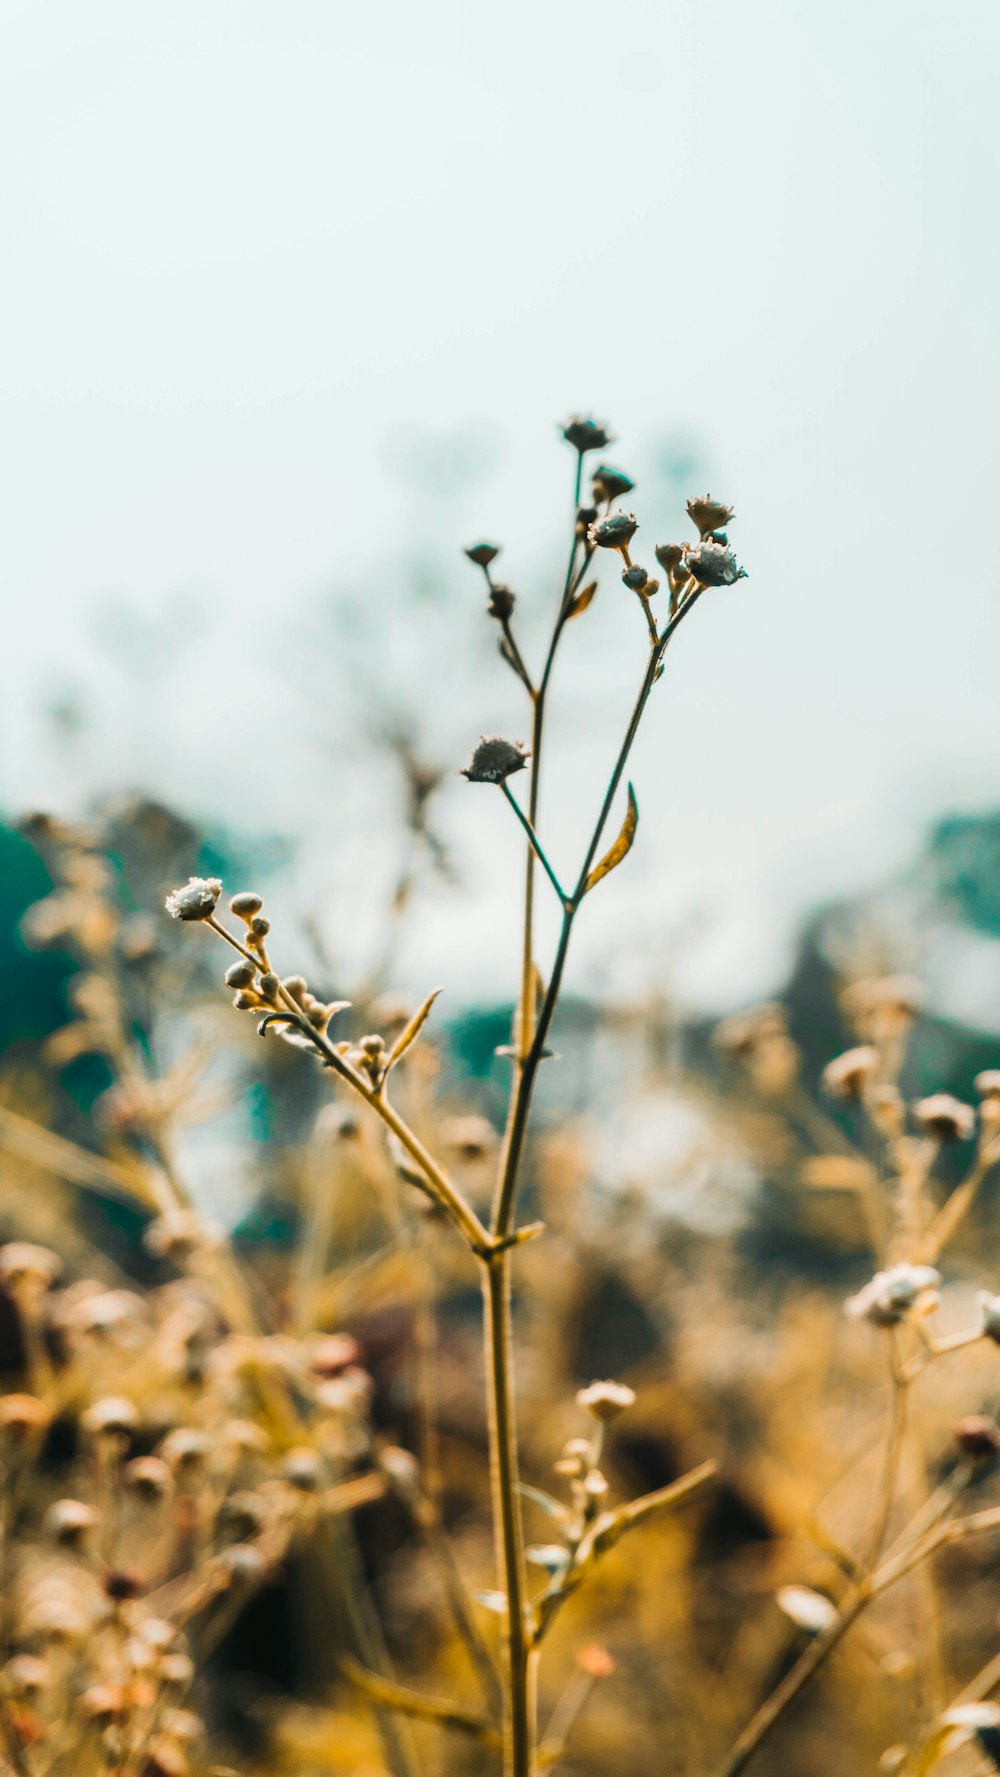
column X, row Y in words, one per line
column 257, row 254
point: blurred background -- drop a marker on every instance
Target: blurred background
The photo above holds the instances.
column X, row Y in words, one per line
column 294, row 300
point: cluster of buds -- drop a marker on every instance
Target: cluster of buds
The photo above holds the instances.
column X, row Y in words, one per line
column 710, row 561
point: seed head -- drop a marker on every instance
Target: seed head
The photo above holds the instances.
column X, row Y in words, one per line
column 945, row 1117
column 613, row 532
column 495, row 759
column 198, row 898
column 483, row 553
column 611, row 484
column 605, row 1400
column 709, row 515
column 586, row 434
column 714, row 564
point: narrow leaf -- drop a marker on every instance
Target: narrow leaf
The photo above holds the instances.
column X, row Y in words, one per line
column 408, row 1037
column 621, row 847
column 580, row 603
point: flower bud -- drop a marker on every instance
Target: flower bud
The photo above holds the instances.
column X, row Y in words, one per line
column 635, row 579
column 245, row 905
column 495, row 759
column 240, row 974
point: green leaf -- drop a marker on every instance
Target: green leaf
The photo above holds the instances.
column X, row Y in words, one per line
column 620, row 849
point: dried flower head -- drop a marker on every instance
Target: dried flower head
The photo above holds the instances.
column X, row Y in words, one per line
column 987, row 1085
column 709, row 515
column 495, row 759
column 586, row 434
column 714, row 564
column 613, row 532
column 483, row 553
column 23, row 1266
column 945, row 1117
column 847, row 1075
column 611, row 484
column 605, row 1400
column 890, row 1295
column 198, row 898
column 977, row 1435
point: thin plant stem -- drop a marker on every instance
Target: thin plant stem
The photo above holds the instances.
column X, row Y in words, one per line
column 534, row 842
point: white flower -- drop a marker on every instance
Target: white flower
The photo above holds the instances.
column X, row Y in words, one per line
column 890, row 1294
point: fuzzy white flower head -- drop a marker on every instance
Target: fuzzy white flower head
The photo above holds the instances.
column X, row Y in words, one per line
column 198, row 898
column 889, row 1296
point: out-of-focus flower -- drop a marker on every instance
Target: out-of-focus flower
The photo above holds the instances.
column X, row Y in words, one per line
column 605, row 1400
column 586, row 434
column 989, row 1315
column 977, row 1435
column 945, row 1117
column 847, row 1075
column 495, row 759
column 807, row 1609
column 890, row 1295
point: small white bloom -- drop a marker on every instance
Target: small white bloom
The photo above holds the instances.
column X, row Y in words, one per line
column 807, row 1609
column 887, row 1298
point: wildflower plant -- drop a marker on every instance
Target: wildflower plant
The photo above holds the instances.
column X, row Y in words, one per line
column 286, row 1008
